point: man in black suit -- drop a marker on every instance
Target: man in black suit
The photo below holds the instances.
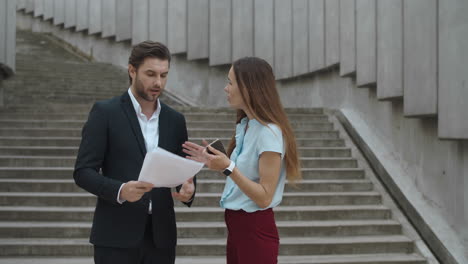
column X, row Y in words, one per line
column 133, row 222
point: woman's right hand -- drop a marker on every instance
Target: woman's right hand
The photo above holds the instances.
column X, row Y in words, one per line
column 195, row 151
column 217, row 161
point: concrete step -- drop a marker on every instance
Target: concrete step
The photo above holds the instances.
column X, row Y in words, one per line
column 313, row 259
column 72, row 151
column 40, row 141
column 197, row 132
column 216, row 247
column 202, row 199
column 67, row 172
column 204, row 186
column 300, row 133
column 45, row 99
column 84, row 108
column 301, row 142
column 75, row 141
column 301, row 118
column 37, row 161
column 205, row 214
column 66, row 88
column 48, row 108
column 191, row 229
column 37, row 151
column 78, row 124
column 69, row 161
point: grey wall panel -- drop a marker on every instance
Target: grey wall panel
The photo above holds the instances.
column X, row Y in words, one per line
column 242, row 28
column 48, row 9
column 347, row 37
column 11, row 34
column 95, row 16
column 198, row 29
column 420, row 57
column 316, row 35
column 177, row 26
column 82, row 13
column 38, row 8
column 20, row 4
column 140, row 21
column 283, row 39
column 300, row 37
column 108, row 18
column 332, row 32
column 366, row 42
column 3, row 32
column 29, row 6
column 453, row 70
column 59, row 12
column 220, row 32
column 158, row 20
column 8, row 33
column 264, row 30
column 389, row 49
column 123, row 20
column 70, row 14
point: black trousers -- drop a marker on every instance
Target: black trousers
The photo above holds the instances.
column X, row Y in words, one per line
column 146, row 254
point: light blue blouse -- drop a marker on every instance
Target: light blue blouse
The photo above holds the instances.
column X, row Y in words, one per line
column 249, row 146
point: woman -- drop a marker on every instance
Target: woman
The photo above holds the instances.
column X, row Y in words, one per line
column 262, row 155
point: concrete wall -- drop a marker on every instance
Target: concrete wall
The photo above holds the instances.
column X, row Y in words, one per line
column 404, row 65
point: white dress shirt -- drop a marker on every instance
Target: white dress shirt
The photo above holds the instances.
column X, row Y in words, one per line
column 149, row 129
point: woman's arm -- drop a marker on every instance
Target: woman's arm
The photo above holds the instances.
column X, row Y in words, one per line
column 269, row 166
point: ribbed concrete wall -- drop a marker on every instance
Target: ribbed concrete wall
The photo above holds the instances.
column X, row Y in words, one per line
column 401, row 48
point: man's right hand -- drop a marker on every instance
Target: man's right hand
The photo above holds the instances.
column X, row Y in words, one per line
column 132, row 191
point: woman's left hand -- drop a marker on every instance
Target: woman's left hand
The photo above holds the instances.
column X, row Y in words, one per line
column 217, row 161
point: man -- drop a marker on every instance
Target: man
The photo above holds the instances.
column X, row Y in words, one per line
column 133, row 222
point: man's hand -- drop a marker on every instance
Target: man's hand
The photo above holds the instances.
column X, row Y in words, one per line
column 132, row 191
column 186, row 191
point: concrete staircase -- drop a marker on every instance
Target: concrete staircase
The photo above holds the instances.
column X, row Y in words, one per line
column 337, row 215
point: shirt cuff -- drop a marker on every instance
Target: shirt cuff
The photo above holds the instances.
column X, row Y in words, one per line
column 120, row 201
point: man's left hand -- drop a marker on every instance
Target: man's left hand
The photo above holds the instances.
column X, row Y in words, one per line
column 186, row 191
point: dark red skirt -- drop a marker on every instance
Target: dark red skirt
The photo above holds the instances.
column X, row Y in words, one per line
column 252, row 237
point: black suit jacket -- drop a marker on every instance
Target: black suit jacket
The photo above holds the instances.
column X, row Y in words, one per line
column 112, row 151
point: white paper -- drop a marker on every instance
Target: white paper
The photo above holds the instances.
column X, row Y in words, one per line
column 165, row 169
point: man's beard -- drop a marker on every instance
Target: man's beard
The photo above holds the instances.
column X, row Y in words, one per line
column 140, row 90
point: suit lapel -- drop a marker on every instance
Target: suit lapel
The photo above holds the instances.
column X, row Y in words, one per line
column 129, row 110
column 164, row 132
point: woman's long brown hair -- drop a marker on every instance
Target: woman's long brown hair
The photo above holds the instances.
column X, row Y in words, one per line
column 257, row 86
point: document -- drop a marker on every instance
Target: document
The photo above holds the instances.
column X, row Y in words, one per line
column 165, row 169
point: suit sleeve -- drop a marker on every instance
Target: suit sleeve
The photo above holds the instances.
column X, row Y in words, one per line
column 182, row 139
column 91, row 157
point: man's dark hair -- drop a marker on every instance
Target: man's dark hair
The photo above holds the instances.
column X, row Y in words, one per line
column 145, row 50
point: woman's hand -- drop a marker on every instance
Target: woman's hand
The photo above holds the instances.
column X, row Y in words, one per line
column 195, row 151
column 217, row 161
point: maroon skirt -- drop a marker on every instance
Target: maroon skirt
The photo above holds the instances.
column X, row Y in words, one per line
column 252, row 237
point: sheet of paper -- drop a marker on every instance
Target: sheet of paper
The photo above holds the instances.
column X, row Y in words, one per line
column 165, row 169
